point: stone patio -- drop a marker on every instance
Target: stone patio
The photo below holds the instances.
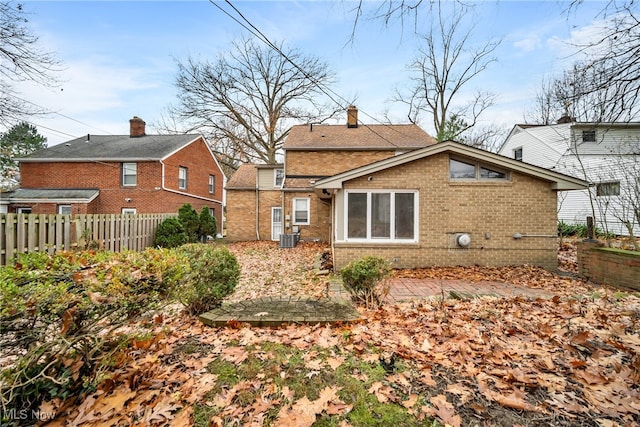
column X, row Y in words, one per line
column 336, row 307
column 270, row 311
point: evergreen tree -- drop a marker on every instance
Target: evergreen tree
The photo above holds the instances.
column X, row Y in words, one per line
column 208, row 225
column 19, row 141
column 188, row 217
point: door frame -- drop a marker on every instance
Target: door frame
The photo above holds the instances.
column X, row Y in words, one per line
column 274, row 224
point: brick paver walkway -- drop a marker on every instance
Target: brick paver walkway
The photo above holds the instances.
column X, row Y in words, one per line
column 402, row 289
column 272, row 311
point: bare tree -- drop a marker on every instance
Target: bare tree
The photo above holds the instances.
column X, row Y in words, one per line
column 21, row 59
column 443, row 69
column 617, row 192
column 571, row 96
column 247, row 100
column 611, row 68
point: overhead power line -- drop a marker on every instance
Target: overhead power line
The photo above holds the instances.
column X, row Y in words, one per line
column 330, row 93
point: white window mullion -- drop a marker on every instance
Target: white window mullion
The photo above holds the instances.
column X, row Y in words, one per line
column 392, row 216
column 369, row 213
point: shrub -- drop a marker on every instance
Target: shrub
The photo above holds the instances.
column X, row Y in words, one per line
column 579, row 230
column 188, row 217
column 170, row 234
column 365, row 280
column 207, row 225
column 213, row 275
column 59, row 313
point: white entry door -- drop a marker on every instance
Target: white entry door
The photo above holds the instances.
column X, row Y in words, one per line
column 276, row 223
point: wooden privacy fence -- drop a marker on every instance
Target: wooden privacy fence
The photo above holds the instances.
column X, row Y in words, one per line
column 21, row 233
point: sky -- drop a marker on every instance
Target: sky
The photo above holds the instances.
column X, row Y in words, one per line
column 119, row 58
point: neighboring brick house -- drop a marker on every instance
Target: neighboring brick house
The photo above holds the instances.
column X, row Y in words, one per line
column 415, row 202
column 135, row 173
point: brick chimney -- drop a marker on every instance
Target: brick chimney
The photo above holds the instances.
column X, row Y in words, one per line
column 352, row 116
column 565, row 118
column 136, row 127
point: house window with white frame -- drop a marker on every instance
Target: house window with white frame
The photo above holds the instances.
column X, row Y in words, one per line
column 382, row 215
column 64, row 209
column 470, row 170
column 23, row 210
column 182, row 178
column 604, row 189
column 278, row 177
column 129, row 174
column 588, row 136
column 128, row 211
column 301, row 211
column 212, row 184
column 517, row 154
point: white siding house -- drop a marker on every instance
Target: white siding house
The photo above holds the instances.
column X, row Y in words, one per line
column 605, row 154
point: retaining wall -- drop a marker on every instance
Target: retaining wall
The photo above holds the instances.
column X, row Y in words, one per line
column 610, row 266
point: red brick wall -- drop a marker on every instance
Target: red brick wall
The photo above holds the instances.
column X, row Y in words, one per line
column 147, row 196
column 609, row 266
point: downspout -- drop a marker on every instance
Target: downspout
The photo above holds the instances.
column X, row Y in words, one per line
column 332, row 234
column 257, row 205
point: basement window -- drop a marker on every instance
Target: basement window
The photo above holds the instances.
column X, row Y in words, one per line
column 64, row 209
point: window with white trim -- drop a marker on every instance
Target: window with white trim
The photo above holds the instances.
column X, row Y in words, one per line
column 182, row 178
column 212, row 184
column 382, row 215
column 588, row 136
column 604, row 189
column 278, row 177
column 470, row 170
column 301, row 211
column 23, row 210
column 128, row 211
column 64, row 209
column 517, row 154
column 129, row 174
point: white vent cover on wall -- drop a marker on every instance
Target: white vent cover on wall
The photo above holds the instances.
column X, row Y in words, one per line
column 463, row 240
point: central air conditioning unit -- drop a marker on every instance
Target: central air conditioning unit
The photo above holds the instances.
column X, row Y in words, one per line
column 289, row 240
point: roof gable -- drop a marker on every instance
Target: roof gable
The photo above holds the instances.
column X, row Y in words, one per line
column 363, row 137
column 559, row 181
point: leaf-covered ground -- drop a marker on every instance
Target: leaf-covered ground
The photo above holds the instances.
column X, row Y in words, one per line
column 570, row 360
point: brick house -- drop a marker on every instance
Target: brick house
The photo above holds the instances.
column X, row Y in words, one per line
column 135, row 173
column 394, row 192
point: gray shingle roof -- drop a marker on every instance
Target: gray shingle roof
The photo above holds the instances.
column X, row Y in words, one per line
column 77, row 194
column 244, row 178
column 363, row 137
column 113, row 147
